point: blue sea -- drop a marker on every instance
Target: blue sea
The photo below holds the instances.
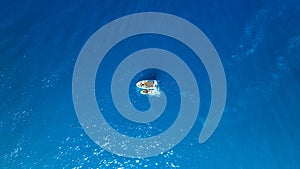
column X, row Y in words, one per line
column 258, row 43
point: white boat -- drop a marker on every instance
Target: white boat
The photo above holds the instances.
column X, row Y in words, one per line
column 147, row 84
column 150, row 92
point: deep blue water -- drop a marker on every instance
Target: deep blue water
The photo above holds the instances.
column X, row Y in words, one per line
column 257, row 41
